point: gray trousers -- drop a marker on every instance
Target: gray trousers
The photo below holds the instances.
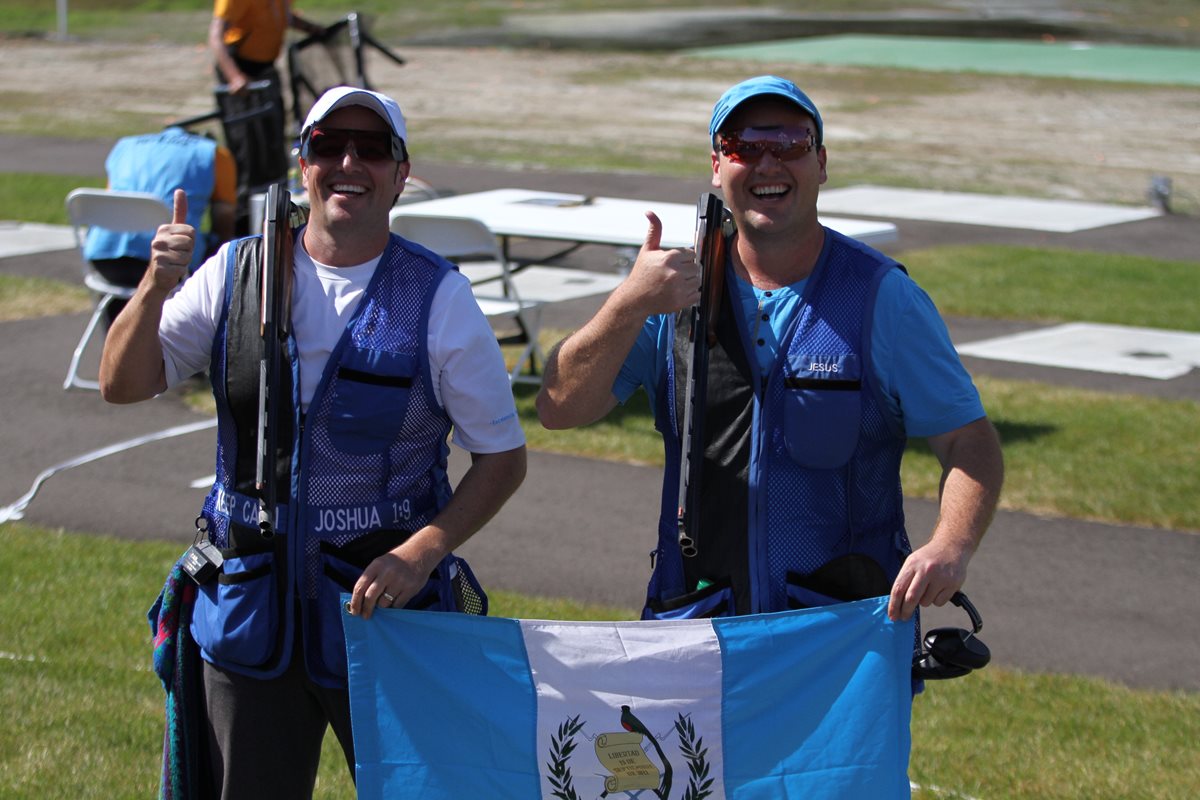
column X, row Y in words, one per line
column 264, row 736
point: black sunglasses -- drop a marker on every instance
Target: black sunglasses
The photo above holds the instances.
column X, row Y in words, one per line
column 375, row 146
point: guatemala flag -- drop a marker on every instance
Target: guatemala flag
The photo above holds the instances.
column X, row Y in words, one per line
column 812, row 703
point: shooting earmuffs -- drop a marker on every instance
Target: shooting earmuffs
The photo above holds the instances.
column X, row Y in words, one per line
column 952, row 652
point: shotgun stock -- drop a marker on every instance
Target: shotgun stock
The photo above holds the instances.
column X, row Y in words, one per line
column 274, row 314
column 710, row 257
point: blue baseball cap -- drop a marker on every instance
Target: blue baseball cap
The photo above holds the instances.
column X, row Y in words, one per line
column 762, row 86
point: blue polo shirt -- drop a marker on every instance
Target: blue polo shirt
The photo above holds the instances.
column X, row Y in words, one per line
column 927, row 389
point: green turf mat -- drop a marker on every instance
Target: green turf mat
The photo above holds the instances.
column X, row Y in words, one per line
column 1162, row 65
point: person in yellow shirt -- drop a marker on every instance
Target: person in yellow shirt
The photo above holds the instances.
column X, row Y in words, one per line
column 246, row 37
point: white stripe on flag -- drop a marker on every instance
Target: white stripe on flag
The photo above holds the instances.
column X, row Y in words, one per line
column 636, row 697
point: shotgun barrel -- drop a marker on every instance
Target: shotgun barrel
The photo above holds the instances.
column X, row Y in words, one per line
column 702, row 335
column 275, row 292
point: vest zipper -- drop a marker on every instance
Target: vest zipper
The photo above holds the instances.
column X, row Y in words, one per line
column 756, row 535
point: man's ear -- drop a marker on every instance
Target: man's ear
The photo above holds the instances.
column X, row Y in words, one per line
column 716, row 166
column 402, row 170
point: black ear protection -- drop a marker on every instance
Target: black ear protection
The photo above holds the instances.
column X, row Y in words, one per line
column 952, row 652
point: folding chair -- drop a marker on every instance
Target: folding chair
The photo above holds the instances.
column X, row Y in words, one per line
column 472, row 246
column 417, row 190
column 125, row 212
column 547, row 285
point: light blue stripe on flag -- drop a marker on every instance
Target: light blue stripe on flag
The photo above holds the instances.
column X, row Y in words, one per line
column 826, row 715
column 442, row 706
column 812, row 703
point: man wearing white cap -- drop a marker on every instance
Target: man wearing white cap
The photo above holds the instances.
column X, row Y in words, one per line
column 389, row 355
column 827, row 358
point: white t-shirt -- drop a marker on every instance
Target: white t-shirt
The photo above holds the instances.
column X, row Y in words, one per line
column 469, row 378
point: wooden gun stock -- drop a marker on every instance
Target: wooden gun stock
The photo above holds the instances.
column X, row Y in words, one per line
column 712, row 267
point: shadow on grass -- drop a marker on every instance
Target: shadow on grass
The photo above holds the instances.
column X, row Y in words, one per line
column 1012, row 432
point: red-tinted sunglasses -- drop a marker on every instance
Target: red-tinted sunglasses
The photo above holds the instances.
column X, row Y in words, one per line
column 747, row 146
column 368, row 145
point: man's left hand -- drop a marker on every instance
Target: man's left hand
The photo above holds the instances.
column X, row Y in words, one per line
column 929, row 577
column 389, row 581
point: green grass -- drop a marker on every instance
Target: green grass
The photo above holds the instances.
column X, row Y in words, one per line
column 83, row 711
column 1089, row 455
column 1052, row 285
column 627, row 434
column 37, row 197
column 1000, row 734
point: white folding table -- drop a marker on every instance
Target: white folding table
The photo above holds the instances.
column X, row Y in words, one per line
column 581, row 219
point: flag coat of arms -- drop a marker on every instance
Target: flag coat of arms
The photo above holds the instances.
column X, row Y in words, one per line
column 814, row 703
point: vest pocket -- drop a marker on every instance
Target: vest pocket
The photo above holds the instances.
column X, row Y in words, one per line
column 853, row 576
column 370, row 396
column 337, row 576
column 714, row 600
column 822, row 407
column 237, row 615
column 341, row 566
column 451, row 587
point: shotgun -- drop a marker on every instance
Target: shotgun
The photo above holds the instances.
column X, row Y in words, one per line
column 702, row 335
column 275, row 283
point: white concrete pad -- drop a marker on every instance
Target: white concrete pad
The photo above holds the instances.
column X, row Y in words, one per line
column 27, row 238
column 1057, row 216
column 1144, row 352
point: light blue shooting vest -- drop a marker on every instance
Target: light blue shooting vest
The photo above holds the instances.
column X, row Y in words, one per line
column 157, row 163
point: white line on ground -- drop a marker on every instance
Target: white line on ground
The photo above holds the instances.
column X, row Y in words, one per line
column 17, row 510
column 916, row 787
column 203, row 483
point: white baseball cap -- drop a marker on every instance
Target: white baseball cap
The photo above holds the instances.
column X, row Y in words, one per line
column 343, row 96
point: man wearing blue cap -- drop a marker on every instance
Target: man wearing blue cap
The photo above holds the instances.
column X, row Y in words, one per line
column 388, row 356
column 827, row 358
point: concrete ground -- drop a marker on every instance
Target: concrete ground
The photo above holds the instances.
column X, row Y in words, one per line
column 1056, row 595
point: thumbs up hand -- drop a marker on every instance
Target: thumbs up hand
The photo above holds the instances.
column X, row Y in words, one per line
column 661, row 281
column 171, row 249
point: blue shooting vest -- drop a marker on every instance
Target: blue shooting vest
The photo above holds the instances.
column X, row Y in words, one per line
column 801, row 465
column 364, row 469
column 157, row 163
